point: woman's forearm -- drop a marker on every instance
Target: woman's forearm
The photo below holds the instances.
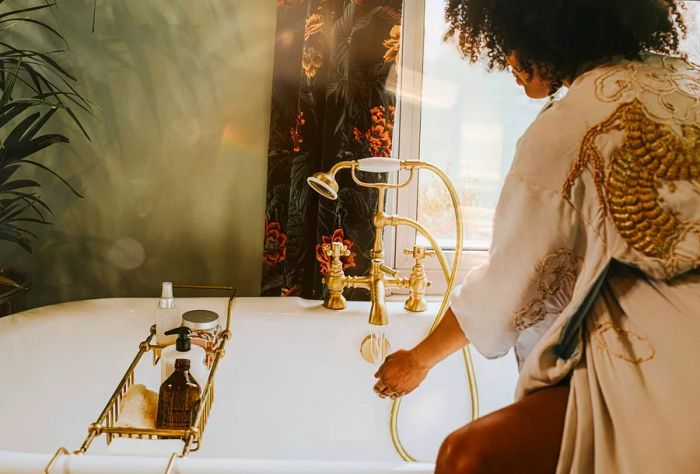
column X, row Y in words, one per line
column 442, row 342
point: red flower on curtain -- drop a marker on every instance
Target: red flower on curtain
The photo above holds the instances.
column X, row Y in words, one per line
column 293, row 291
column 275, row 246
column 377, row 138
column 312, row 57
column 325, row 261
column 392, row 45
column 295, row 133
column 313, row 25
column 311, row 61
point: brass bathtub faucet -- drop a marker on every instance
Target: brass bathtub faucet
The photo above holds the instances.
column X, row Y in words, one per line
column 380, row 276
column 376, row 281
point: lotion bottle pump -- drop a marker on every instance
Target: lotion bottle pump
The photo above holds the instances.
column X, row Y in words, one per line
column 184, row 349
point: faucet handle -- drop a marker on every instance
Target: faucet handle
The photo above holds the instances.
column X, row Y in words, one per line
column 335, row 278
column 419, row 253
column 418, row 280
column 336, row 250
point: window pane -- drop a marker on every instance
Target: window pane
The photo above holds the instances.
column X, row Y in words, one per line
column 691, row 44
column 470, row 123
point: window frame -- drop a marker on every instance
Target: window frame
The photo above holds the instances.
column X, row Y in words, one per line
column 407, row 146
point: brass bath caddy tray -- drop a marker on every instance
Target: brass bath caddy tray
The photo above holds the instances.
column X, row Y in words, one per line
column 192, row 436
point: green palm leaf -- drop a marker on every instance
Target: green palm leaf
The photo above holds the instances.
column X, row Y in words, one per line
column 34, row 88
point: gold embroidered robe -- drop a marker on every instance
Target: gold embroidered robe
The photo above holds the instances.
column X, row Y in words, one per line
column 593, row 272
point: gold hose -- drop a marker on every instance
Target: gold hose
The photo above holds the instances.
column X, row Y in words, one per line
column 450, row 277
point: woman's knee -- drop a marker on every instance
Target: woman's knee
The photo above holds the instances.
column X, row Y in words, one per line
column 524, row 437
column 463, row 452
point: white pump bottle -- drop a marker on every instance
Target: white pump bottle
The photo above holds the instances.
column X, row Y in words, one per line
column 167, row 316
column 184, row 349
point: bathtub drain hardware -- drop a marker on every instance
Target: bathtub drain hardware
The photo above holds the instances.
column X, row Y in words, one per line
column 375, row 349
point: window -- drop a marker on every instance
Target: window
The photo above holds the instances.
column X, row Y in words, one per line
column 466, row 121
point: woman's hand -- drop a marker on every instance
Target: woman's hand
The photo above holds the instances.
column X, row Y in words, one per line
column 400, row 374
column 403, row 371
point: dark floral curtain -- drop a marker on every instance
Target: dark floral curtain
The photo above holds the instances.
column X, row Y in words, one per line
column 334, row 64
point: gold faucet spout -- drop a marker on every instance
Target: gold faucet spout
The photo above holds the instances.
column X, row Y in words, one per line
column 378, row 315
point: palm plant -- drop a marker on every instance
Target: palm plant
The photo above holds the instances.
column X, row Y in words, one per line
column 34, row 88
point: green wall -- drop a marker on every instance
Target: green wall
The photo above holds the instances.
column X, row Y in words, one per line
column 174, row 177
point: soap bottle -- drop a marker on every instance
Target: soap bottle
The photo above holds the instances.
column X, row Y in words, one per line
column 167, row 315
column 184, row 349
column 178, row 399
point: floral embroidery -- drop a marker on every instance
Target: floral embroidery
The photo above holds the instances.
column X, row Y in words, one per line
column 651, row 154
column 275, row 247
column 623, row 343
column 669, row 90
column 557, row 275
column 295, row 132
column 325, row 261
column 377, row 139
column 392, row 45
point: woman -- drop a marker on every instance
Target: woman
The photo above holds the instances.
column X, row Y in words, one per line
column 593, row 274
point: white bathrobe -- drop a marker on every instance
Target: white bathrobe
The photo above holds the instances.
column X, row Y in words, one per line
column 594, row 270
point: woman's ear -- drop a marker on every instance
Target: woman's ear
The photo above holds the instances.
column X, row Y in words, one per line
column 535, row 87
column 538, row 88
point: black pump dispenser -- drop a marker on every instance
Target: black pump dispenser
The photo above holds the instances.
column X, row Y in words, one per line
column 182, row 344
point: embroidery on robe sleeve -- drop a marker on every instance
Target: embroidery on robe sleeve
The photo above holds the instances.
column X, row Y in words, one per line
column 660, row 146
column 556, row 278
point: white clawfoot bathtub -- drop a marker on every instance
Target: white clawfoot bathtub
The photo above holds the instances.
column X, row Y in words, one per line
column 293, row 394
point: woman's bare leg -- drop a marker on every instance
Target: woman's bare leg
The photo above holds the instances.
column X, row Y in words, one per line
column 522, row 438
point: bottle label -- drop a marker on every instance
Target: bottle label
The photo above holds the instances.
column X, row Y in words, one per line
column 177, row 407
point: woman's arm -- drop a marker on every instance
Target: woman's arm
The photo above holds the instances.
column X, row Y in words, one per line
column 404, row 370
column 447, row 338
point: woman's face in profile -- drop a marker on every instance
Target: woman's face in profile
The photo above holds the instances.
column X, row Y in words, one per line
column 535, row 87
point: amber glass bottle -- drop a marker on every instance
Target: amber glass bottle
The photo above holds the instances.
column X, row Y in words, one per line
column 179, row 398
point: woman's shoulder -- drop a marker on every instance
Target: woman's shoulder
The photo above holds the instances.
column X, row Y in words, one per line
column 666, row 88
column 657, row 89
column 653, row 72
column 548, row 145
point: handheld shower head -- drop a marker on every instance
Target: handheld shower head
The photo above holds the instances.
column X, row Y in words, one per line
column 324, row 184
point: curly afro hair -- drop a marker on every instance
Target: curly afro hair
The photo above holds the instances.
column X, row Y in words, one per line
column 561, row 39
